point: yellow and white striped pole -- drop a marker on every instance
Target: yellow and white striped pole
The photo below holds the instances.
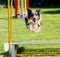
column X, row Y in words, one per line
column 22, row 6
column 9, row 23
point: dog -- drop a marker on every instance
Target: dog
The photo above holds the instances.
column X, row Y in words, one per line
column 33, row 20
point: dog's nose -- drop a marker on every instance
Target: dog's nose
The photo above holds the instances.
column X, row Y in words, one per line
column 34, row 19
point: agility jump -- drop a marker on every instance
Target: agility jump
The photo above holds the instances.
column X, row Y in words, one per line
column 23, row 5
column 12, row 46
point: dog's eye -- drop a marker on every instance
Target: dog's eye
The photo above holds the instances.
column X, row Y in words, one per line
column 28, row 24
column 38, row 25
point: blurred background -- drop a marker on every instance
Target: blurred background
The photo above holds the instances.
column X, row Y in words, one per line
column 36, row 3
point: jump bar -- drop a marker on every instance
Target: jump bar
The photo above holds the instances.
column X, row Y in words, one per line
column 35, row 42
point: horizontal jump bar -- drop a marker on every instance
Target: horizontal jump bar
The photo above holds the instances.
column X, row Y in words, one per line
column 35, row 42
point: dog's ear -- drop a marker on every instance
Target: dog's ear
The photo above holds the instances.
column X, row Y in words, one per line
column 29, row 13
column 38, row 12
column 28, row 9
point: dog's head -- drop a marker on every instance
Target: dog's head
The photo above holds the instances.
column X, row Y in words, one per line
column 33, row 20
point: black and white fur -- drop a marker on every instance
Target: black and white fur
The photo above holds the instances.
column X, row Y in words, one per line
column 33, row 20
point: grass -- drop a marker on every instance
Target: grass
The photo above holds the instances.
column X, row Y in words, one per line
column 50, row 28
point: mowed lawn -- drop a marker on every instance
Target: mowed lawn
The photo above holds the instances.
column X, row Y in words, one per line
column 50, row 28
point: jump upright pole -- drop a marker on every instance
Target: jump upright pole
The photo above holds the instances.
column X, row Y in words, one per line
column 16, row 8
column 9, row 23
column 27, row 3
column 23, row 5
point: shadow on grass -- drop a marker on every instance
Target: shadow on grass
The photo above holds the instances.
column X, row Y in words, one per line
column 5, row 54
column 39, row 52
column 52, row 12
column 35, row 52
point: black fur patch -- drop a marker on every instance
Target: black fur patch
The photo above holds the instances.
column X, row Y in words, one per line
column 29, row 13
column 26, row 20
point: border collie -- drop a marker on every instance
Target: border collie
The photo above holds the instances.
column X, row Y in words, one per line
column 33, row 20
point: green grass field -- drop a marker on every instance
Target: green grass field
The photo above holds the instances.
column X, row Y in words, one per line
column 50, row 28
